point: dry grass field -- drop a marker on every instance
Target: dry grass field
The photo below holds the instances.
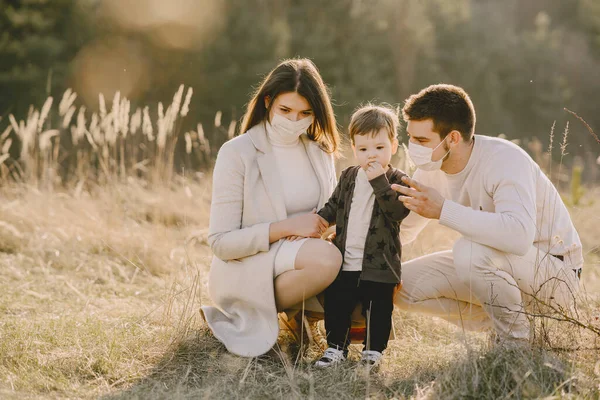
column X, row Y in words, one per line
column 100, row 292
column 102, row 276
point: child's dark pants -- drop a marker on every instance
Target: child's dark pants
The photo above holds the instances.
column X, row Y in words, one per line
column 376, row 298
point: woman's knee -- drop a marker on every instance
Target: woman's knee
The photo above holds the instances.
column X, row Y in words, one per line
column 322, row 256
column 329, row 261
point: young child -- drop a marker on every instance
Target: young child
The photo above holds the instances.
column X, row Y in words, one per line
column 367, row 214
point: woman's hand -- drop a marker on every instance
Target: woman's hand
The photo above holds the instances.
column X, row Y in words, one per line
column 307, row 225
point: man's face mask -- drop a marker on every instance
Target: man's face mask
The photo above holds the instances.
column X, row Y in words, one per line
column 421, row 156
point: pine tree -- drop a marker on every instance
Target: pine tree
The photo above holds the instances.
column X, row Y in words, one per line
column 38, row 39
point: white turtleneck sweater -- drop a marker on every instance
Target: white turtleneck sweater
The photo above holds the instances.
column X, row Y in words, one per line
column 503, row 200
column 299, row 181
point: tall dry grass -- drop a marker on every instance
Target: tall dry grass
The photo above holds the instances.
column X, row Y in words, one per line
column 72, row 145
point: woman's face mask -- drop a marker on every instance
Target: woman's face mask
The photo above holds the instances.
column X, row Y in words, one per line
column 422, row 156
column 290, row 130
column 287, row 107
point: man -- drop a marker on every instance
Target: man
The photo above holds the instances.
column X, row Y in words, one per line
column 518, row 248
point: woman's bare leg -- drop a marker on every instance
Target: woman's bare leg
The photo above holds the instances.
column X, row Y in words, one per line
column 317, row 264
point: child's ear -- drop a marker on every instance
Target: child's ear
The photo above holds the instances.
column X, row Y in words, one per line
column 395, row 145
column 267, row 101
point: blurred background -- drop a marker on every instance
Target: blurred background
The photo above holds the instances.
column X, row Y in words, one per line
column 522, row 62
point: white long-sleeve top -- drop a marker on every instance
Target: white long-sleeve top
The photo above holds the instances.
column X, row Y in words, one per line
column 503, row 200
column 299, row 183
column 359, row 219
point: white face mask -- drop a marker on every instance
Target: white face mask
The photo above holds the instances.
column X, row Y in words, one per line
column 421, row 156
column 289, row 131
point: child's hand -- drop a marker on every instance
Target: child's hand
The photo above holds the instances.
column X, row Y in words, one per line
column 331, row 237
column 374, row 169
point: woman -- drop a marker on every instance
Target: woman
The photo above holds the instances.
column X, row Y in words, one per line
column 264, row 232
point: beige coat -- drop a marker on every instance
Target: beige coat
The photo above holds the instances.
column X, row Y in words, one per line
column 247, row 197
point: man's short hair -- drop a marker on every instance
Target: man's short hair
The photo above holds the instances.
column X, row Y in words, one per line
column 448, row 106
column 370, row 119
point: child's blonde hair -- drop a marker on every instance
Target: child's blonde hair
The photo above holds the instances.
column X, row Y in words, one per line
column 370, row 119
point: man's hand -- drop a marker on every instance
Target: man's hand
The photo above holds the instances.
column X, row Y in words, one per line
column 373, row 170
column 425, row 201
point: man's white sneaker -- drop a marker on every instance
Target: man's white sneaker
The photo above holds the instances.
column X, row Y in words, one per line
column 370, row 358
column 330, row 357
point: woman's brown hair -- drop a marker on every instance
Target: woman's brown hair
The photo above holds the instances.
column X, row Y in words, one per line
column 300, row 76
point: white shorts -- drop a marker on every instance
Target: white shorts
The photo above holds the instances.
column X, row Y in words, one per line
column 286, row 256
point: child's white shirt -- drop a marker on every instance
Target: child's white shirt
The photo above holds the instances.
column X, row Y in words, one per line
column 359, row 219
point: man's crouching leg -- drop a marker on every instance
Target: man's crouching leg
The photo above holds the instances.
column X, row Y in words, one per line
column 430, row 286
column 487, row 273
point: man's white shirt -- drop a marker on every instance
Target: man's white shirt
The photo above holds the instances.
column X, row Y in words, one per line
column 501, row 199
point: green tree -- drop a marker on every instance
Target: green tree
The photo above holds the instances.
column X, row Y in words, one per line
column 38, row 40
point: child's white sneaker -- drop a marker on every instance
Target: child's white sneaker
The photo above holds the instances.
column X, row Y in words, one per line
column 330, row 357
column 371, row 358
